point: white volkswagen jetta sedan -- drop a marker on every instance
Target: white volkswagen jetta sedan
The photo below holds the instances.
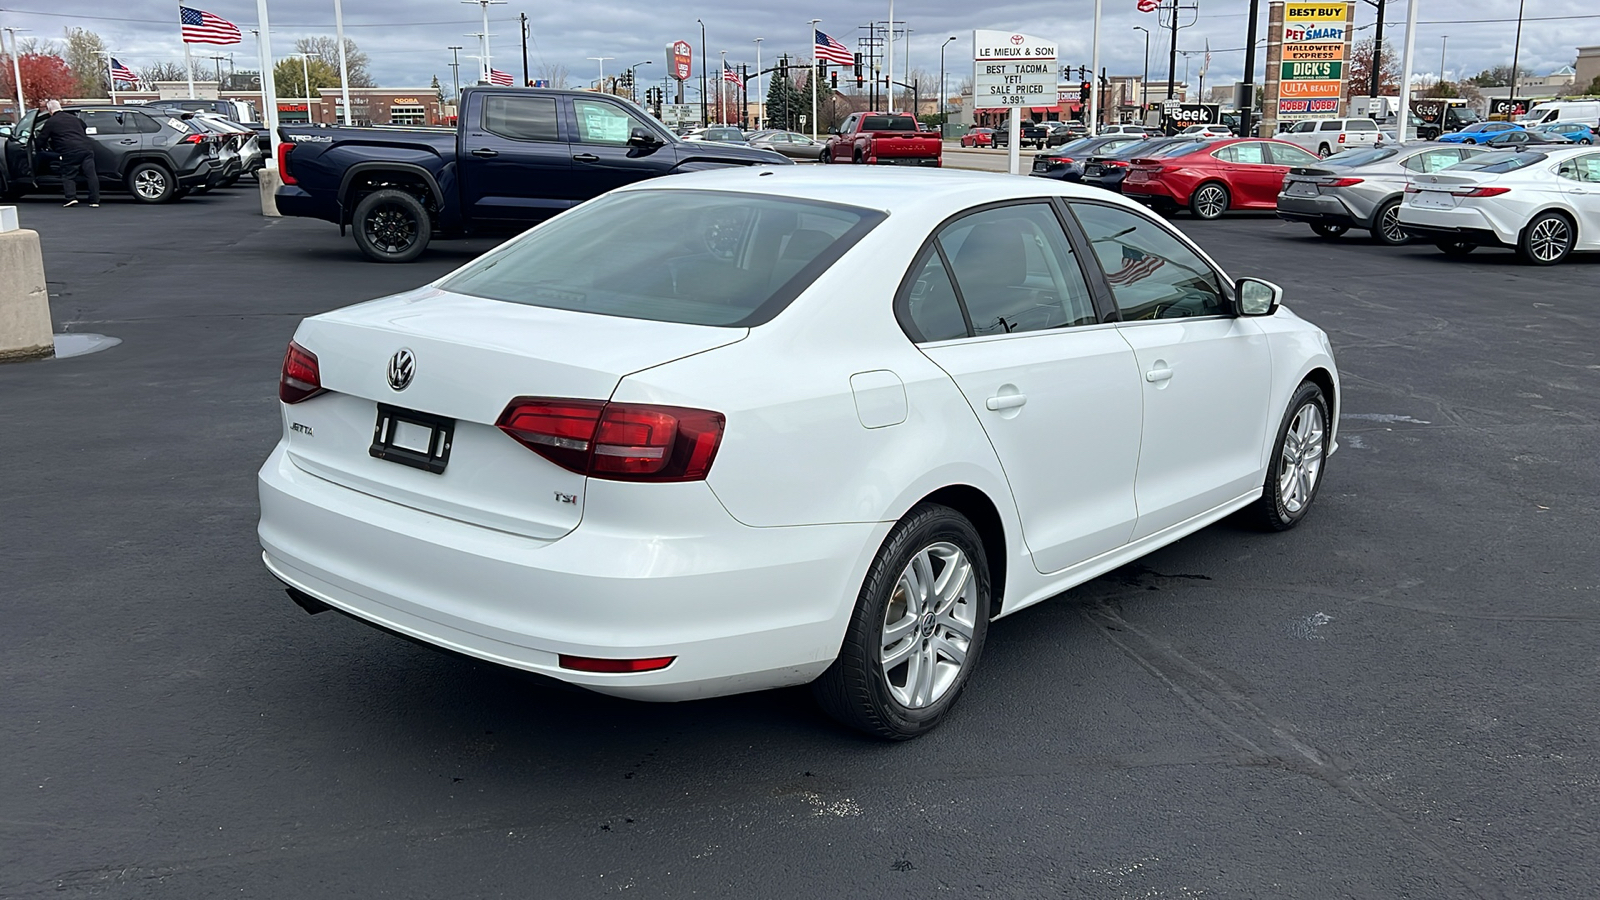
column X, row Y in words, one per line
column 734, row 430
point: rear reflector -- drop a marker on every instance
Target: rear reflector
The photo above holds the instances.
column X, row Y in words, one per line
column 591, row 664
column 617, row 441
column 301, row 379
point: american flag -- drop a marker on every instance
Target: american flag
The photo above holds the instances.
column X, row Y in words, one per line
column 1136, row 266
column 201, row 27
column 731, row 74
column 503, row 79
column 830, row 50
column 120, row 72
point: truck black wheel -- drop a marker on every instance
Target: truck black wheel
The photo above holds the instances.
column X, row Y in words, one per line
column 391, row 226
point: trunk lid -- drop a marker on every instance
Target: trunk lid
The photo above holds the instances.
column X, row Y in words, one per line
column 471, row 357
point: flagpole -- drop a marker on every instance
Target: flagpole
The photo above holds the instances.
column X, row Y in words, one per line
column 1094, row 74
column 111, row 78
column 888, row 60
column 269, row 89
column 722, row 90
column 813, row 77
column 344, row 69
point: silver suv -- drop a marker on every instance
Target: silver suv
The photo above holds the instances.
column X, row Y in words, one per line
column 1325, row 137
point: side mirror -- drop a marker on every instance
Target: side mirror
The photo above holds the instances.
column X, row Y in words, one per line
column 643, row 139
column 5, row 131
column 1257, row 297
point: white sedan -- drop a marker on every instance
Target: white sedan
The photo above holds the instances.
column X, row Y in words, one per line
column 742, row 429
column 1543, row 203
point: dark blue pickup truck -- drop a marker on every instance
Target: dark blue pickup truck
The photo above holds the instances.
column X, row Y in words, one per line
column 518, row 156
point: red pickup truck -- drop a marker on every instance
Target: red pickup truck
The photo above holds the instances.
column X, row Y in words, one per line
column 883, row 139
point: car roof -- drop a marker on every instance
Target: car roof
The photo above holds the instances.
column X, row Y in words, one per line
column 933, row 193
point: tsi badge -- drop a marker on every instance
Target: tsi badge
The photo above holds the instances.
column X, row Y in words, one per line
column 402, row 367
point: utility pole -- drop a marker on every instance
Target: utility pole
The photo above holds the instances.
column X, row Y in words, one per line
column 1516, row 52
column 1443, row 41
column 525, row 78
column 1247, row 103
column 1172, row 57
column 1377, row 51
column 455, row 70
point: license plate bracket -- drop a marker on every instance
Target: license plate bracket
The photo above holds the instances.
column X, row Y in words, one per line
column 411, row 438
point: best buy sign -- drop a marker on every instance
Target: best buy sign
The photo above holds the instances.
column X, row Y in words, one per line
column 1318, row 71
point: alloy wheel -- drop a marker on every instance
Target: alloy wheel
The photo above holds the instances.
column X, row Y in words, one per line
column 150, row 184
column 1301, row 463
column 928, row 625
column 1389, row 224
column 1549, row 239
column 1211, row 202
column 390, row 228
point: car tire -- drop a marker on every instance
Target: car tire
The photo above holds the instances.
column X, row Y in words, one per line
column 1294, row 472
column 934, row 643
column 1328, row 230
column 1547, row 240
column 1324, row 151
column 391, row 226
column 1209, row 200
column 1455, row 249
column 1386, row 228
column 151, row 183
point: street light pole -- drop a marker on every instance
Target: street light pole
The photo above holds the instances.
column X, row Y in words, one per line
column 761, row 100
column 455, row 71
column 16, row 70
column 602, row 61
column 633, row 79
column 942, row 90
column 1247, row 109
column 1144, row 82
column 704, row 120
column 1172, row 57
column 305, row 73
column 1444, row 39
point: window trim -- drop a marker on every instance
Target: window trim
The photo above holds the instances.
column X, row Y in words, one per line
column 483, row 120
column 1228, row 293
column 902, row 294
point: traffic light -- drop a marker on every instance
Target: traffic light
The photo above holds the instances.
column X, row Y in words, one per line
column 1083, row 91
column 835, row 75
column 858, row 70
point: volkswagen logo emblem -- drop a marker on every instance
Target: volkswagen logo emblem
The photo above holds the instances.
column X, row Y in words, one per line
column 402, row 367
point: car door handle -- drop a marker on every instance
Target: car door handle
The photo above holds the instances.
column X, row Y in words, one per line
column 1005, row 401
column 128, row 141
column 586, row 157
column 1155, row 376
column 485, row 153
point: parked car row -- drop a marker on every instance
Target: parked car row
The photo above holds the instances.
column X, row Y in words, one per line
column 156, row 154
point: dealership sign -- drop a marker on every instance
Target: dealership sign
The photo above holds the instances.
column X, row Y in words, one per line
column 1012, row 70
column 682, row 60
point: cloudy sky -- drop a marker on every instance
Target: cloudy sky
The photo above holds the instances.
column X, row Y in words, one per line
column 406, row 39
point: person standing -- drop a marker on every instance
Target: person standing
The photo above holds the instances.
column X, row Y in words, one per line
column 65, row 134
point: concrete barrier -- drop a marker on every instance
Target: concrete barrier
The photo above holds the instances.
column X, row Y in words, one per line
column 267, row 179
column 24, row 300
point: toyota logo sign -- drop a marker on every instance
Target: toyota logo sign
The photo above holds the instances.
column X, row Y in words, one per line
column 402, row 368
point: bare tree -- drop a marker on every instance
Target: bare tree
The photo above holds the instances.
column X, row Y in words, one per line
column 327, row 49
column 165, row 70
column 556, row 74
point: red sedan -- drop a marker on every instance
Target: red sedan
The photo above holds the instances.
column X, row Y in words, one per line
column 978, row 137
column 1215, row 177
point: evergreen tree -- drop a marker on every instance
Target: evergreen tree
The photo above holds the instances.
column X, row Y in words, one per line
column 785, row 104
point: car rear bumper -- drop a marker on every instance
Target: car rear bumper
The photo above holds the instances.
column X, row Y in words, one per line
column 209, row 171
column 1316, row 211
column 926, row 161
column 740, row 608
column 292, row 200
column 1459, row 224
column 1153, row 192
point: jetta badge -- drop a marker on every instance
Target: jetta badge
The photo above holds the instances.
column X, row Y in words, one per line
column 402, row 366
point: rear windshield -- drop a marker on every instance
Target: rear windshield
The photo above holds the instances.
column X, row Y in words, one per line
column 695, row 257
column 1359, row 157
column 1500, row 161
column 889, row 123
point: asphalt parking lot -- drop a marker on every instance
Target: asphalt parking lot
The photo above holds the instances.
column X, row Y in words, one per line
column 1397, row 699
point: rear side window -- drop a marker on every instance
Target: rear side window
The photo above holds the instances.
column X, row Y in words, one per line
column 1433, row 160
column 695, row 257
column 143, row 123
column 1331, row 125
column 1361, row 125
column 521, row 118
column 1247, row 152
column 931, row 302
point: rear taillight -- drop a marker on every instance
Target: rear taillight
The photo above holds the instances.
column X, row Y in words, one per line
column 1413, row 189
column 617, row 441
column 194, row 139
column 1115, row 164
column 1341, row 137
column 283, row 163
column 301, row 379
column 1341, row 182
column 1485, row 192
